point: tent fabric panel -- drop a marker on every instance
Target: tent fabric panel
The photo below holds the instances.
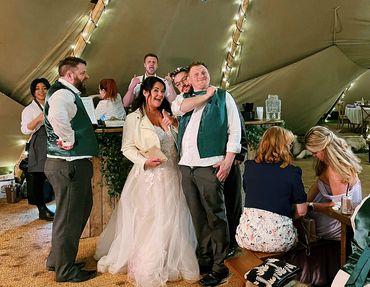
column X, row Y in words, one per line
column 179, row 32
column 282, row 33
column 308, row 89
column 35, row 35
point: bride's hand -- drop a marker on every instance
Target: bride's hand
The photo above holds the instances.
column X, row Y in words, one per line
column 152, row 163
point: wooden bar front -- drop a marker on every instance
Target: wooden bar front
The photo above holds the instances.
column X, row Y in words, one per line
column 103, row 205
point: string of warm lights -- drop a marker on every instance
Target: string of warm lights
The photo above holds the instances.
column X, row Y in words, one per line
column 92, row 23
column 233, row 43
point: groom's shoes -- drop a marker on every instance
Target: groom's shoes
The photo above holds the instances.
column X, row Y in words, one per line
column 82, row 275
column 205, row 269
column 79, row 265
column 214, row 278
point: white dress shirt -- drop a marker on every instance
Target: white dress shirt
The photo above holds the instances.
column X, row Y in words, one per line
column 189, row 149
column 28, row 114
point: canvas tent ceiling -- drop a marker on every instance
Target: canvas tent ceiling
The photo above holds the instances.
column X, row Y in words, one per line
column 301, row 50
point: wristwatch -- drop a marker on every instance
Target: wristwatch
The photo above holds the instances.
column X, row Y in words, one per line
column 310, row 206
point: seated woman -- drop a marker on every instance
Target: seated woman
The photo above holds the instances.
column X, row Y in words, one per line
column 110, row 106
column 273, row 187
column 337, row 169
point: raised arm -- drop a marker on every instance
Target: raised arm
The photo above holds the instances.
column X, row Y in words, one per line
column 170, row 90
column 129, row 96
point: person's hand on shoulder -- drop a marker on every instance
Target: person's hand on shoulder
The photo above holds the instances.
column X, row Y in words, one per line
column 210, row 92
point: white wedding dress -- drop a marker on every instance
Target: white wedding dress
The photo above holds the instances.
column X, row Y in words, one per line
column 150, row 234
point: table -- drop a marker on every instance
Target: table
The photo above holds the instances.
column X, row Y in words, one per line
column 265, row 122
column 345, row 221
column 358, row 115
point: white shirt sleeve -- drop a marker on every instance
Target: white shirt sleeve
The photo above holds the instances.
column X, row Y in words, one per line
column 28, row 114
column 101, row 109
column 176, row 105
column 234, row 128
column 62, row 109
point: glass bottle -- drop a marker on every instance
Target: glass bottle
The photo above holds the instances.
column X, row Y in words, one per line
column 273, row 107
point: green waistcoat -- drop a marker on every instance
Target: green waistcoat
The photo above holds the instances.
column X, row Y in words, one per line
column 85, row 141
column 213, row 127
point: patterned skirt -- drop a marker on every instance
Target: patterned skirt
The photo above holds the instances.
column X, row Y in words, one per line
column 265, row 231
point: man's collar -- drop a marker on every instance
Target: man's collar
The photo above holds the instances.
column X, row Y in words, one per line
column 201, row 92
column 146, row 75
column 69, row 85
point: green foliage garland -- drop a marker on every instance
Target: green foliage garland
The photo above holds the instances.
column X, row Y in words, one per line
column 114, row 166
column 253, row 135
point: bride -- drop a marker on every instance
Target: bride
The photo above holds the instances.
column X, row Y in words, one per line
column 150, row 235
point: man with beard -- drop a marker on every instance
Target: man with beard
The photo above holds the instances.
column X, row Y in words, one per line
column 208, row 139
column 232, row 184
column 151, row 66
column 71, row 143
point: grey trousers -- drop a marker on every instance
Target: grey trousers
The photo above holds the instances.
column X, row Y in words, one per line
column 71, row 181
column 204, row 195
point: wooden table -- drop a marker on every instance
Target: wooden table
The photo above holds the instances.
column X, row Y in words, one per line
column 109, row 130
column 265, row 122
column 345, row 221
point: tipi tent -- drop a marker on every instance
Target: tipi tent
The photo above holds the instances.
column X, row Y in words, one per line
column 307, row 52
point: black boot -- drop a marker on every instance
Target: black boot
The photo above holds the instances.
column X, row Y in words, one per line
column 45, row 213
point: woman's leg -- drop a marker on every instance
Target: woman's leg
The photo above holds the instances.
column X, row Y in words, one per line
column 35, row 185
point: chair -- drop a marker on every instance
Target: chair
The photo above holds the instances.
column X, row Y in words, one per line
column 342, row 118
column 365, row 115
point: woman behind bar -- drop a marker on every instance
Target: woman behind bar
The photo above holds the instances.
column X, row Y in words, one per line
column 110, row 106
column 337, row 169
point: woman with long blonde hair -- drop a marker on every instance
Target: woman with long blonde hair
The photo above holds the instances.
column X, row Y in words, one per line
column 273, row 187
column 337, row 169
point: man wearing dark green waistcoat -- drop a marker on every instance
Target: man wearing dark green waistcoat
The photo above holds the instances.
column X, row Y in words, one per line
column 71, row 143
column 208, row 139
column 232, row 184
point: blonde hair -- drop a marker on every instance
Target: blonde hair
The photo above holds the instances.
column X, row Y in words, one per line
column 337, row 153
column 274, row 146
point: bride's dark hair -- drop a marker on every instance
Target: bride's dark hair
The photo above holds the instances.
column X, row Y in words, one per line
column 147, row 85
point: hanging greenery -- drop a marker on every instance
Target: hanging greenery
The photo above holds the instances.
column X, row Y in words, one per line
column 253, row 135
column 114, row 166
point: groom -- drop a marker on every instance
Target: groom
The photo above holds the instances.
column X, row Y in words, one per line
column 208, row 139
